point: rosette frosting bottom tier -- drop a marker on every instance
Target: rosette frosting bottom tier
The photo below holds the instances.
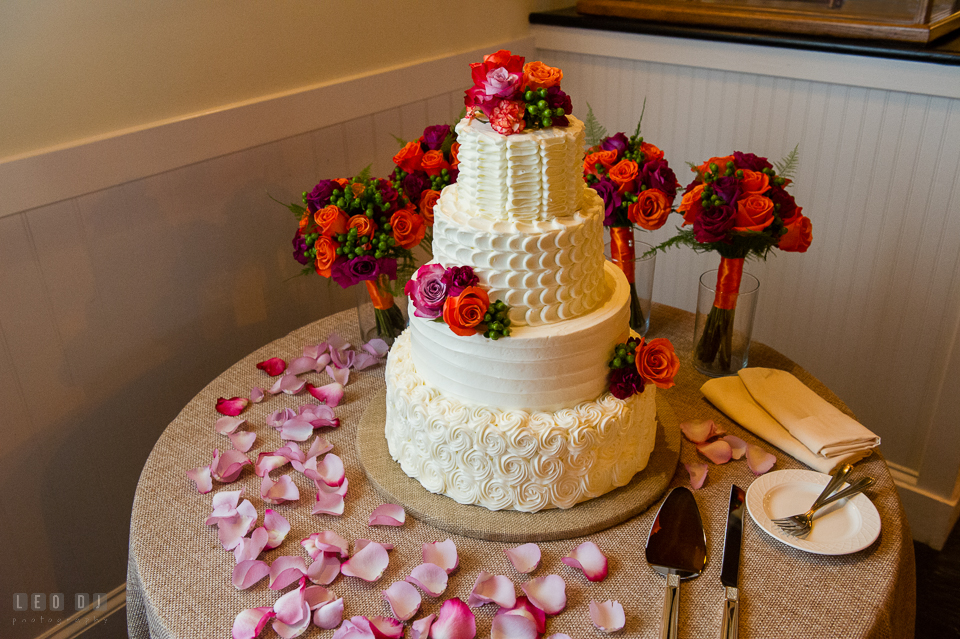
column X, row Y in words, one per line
column 513, row 459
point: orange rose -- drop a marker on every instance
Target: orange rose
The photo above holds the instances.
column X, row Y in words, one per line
column 720, row 162
column 754, row 213
column 657, row 362
column 427, row 201
column 409, row 157
column 754, row 182
column 537, row 75
column 603, row 158
column 455, row 155
column 650, row 152
column 331, row 219
column 341, row 182
column 651, row 209
column 465, row 312
column 326, row 254
column 363, row 224
column 433, row 163
column 691, row 205
column 624, row 175
column 305, row 219
column 408, row 228
column 357, row 189
column 798, row 236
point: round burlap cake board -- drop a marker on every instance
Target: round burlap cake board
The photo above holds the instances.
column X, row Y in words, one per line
column 585, row 518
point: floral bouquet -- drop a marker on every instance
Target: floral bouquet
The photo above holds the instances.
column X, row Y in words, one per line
column 452, row 296
column 737, row 206
column 424, row 167
column 513, row 96
column 360, row 230
column 637, row 186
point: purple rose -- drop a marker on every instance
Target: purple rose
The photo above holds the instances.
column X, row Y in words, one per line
column 428, row 291
column 501, row 83
column 713, row 223
column 658, row 175
column 625, row 382
column 319, row 197
column 617, row 142
column 415, row 184
column 458, row 278
column 454, row 172
column 728, row 188
column 750, row 161
column 788, row 206
column 558, row 99
column 433, row 136
column 607, row 191
column 300, row 249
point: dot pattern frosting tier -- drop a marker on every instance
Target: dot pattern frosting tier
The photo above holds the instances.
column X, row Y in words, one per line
column 535, row 175
column 510, row 459
column 547, row 271
column 536, row 367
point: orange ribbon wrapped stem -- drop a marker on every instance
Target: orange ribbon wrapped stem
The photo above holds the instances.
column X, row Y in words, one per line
column 379, row 295
column 622, row 251
column 728, row 282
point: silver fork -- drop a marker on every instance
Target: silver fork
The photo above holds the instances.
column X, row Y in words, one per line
column 801, row 525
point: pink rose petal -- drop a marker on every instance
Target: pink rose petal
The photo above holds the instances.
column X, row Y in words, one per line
column 376, row 347
column 524, row 608
column 280, row 491
column 286, row 570
column 342, row 358
column 256, row 395
column 589, row 559
column 297, row 429
column 232, row 529
column 507, row 626
column 289, row 607
column 226, row 467
column 365, row 360
column 559, row 635
column 454, row 621
column 330, row 394
column 267, row 462
column 759, row 460
column 320, row 446
column 700, row 431
column 330, row 470
column 607, row 616
column 249, row 623
column 385, row 627
column 385, row 515
column 420, row 629
column 251, row 547
column 248, row 572
column 319, row 415
column 329, row 615
column 404, row 600
column 315, row 350
column 360, row 543
column 202, row 478
column 324, row 569
column 317, row 596
column 719, row 451
column 524, row 558
column 291, row 384
column 242, row 440
column 227, row 425
column 328, row 504
column 492, row 588
column 548, row 593
column 291, row 451
column 277, row 528
column 273, row 366
column 289, row 631
column 368, row 563
column 339, row 375
column 277, row 417
column 232, row 407
column 356, row 628
column 738, row 447
column 441, row 553
column 326, row 541
column 430, row 578
column 302, row 365
column 698, row 474
column 225, row 504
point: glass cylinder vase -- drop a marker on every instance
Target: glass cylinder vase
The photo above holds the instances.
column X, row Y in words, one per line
column 629, row 255
column 379, row 312
column 726, row 305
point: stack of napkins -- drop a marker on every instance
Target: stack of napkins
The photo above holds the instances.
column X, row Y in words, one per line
column 779, row 408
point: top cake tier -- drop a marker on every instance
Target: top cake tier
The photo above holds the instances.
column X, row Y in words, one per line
column 534, row 175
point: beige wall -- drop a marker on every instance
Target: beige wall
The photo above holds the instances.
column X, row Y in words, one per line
column 73, row 70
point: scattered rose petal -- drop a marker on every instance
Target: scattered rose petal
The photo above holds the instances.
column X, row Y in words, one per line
column 441, row 553
column 328, row 504
column 242, row 440
column 286, row 570
column 329, row 615
column 368, row 563
column 330, row 394
column 330, row 470
column 225, row 505
column 759, row 460
column 276, row 526
column 289, row 607
column 249, row 623
column 202, row 478
column 342, row 358
column 339, row 375
column 360, row 543
column 226, row 425
column 385, row 627
column 335, row 343
column 385, row 515
column 291, row 451
column 280, row 491
column 315, row 350
column 492, row 588
column 232, row 529
column 297, row 429
column 317, row 596
column 698, row 474
column 430, row 578
column 507, row 626
column 364, row 360
column 319, row 415
column 404, row 600
column 248, row 572
column 524, row 558
column 233, row 406
column 277, row 417
column 320, row 446
column 356, row 628
column 326, row 541
column 226, row 467
column 267, row 462
column 738, row 447
column 420, row 629
column 324, row 569
column 548, row 593
column 719, row 451
column 251, row 547
column 273, row 366
column 256, row 395
column 289, row 384
column 454, row 621
column 525, row 608
column 607, row 616
column 302, row 365
column 289, row 631
column 700, row 431
column 589, row 559
column 376, row 347
column 559, row 635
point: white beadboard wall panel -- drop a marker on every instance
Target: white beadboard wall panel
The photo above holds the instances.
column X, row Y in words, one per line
column 870, row 307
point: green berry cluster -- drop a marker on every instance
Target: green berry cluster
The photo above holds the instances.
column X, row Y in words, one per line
column 352, row 244
column 538, row 112
column 623, row 355
column 497, row 320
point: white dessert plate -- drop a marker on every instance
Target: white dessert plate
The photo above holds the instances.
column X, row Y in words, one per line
column 843, row 527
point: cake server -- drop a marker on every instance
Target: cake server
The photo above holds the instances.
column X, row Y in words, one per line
column 677, row 549
column 730, row 566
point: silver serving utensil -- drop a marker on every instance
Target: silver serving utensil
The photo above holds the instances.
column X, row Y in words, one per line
column 730, row 565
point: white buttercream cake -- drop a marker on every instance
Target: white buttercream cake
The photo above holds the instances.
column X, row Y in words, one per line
column 524, row 422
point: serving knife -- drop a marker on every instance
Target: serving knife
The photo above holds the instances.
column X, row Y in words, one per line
column 730, row 565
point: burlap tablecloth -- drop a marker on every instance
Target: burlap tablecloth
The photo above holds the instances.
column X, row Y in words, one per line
column 179, row 584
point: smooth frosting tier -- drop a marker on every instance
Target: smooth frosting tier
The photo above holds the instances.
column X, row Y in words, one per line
column 547, row 271
column 503, row 459
column 536, row 367
column 535, row 175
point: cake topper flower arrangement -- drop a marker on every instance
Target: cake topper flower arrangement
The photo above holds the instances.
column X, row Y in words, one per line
column 637, row 362
column 638, row 188
column 360, row 230
column 452, row 296
column 513, row 96
column 737, row 206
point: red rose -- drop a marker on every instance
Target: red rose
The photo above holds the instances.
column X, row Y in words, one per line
column 651, row 209
column 427, row 201
column 650, row 152
column 657, row 362
column 433, row 162
column 408, row 228
column 465, row 312
column 798, row 236
column 408, row 159
column 691, row 205
column 754, row 213
column 624, row 175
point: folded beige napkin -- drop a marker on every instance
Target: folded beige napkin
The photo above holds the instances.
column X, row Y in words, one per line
column 779, row 408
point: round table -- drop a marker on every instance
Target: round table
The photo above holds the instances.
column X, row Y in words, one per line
column 179, row 577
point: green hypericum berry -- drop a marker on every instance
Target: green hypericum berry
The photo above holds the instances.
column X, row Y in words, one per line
column 631, row 358
column 713, row 167
column 542, row 93
column 528, row 96
column 494, row 336
column 532, row 109
column 546, row 122
column 617, row 362
column 506, row 332
column 506, row 321
column 497, row 326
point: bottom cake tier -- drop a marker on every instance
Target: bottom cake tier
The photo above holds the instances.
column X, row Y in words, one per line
column 513, row 459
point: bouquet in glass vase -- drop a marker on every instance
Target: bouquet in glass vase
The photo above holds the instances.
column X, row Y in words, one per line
column 638, row 188
column 737, row 206
column 424, row 167
column 360, row 230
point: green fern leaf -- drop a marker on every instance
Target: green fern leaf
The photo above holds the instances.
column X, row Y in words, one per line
column 636, row 134
column 363, row 175
column 787, row 166
column 595, row 132
column 399, row 140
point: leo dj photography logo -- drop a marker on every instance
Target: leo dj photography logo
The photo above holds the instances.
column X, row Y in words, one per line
column 26, row 606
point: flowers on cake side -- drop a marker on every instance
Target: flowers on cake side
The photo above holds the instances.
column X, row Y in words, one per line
column 513, row 96
column 637, row 362
column 450, row 295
